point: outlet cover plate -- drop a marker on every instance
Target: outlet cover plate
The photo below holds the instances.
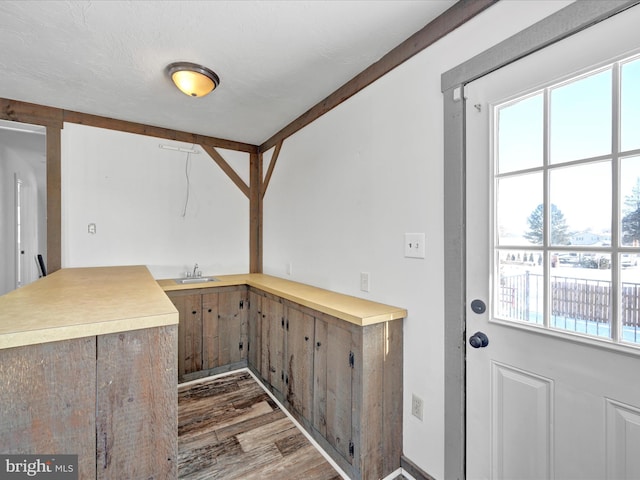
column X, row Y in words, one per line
column 417, row 406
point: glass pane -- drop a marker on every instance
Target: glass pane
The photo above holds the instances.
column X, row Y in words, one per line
column 520, row 134
column 520, row 292
column 581, row 292
column 630, row 201
column 630, row 106
column 581, row 204
column 517, row 197
column 630, row 297
column 580, row 120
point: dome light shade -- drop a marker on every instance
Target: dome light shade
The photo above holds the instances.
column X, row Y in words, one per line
column 193, row 79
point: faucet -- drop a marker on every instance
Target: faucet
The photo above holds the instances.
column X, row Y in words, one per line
column 196, row 273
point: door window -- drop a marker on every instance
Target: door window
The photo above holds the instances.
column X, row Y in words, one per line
column 566, row 196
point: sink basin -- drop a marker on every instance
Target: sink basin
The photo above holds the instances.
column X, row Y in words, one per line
column 196, row 280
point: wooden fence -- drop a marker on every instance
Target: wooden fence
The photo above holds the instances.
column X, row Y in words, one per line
column 521, row 298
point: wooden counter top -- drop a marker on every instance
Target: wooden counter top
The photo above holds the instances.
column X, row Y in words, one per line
column 82, row 302
column 352, row 309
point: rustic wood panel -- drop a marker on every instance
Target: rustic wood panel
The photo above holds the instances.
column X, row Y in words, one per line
column 190, row 332
column 48, row 399
column 244, row 324
column 229, row 428
column 272, row 342
column 338, row 389
column 299, row 361
column 137, row 404
column 210, row 331
column 370, row 434
column 392, row 396
column 232, row 325
column 319, row 418
column 359, row 427
column 254, row 355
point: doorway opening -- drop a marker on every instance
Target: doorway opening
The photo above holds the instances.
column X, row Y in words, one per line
column 23, row 205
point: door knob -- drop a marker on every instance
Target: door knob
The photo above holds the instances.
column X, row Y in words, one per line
column 479, row 340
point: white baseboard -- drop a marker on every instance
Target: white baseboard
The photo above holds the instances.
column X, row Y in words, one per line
column 397, row 472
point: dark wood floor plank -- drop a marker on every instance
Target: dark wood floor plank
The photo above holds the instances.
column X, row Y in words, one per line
column 320, row 472
column 249, row 424
column 291, row 443
column 305, row 460
column 266, row 434
column 229, row 428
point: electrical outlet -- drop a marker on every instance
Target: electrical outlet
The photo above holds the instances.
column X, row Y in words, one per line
column 364, row 281
column 289, row 268
column 416, row 406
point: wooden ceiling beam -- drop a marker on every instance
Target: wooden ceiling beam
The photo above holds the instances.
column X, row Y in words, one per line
column 158, row 132
column 461, row 12
column 24, row 112
column 32, row 113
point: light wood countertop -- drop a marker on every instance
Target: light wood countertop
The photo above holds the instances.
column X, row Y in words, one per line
column 82, row 302
column 352, row 309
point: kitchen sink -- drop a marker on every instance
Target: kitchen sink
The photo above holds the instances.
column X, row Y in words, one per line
column 195, row 280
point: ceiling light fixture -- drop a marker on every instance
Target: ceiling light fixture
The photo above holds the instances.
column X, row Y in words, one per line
column 193, row 79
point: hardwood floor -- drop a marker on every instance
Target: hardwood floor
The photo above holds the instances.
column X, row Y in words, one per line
column 230, row 428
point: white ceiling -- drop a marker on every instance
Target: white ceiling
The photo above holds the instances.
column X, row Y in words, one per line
column 275, row 59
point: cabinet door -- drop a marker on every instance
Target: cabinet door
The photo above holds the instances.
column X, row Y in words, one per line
column 232, row 326
column 299, row 327
column 332, row 402
column 255, row 330
column 272, row 343
column 210, row 336
column 189, row 332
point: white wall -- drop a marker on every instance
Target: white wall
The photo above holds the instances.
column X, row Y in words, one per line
column 135, row 193
column 347, row 187
column 344, row 192
column 22, row 154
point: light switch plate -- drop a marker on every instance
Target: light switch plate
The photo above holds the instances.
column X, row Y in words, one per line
column 414, row 245
column 364, row 281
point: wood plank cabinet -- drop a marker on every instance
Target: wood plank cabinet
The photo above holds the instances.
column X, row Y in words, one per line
column 333, row 367
column 190, row 333
column 299, row 360
column 281, row 349
column 212, row 333
column 342, row 382
column 110, row 399
column 272, row 342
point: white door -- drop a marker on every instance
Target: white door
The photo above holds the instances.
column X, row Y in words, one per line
column 553, row 189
